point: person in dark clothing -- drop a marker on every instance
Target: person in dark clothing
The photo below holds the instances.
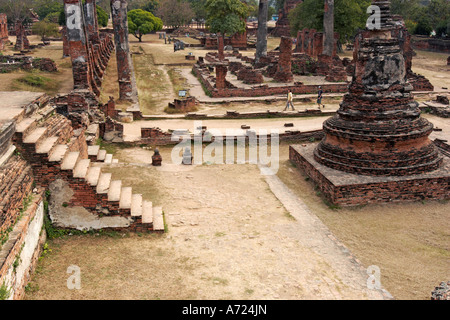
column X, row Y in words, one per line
column 319, row 97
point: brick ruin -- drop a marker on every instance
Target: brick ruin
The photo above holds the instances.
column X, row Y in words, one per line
column 13, row 63
column 3, row 31
column 311, row 43
column 377, row 132
column 238, row 40
column 284, row 68
column 22, row 42
column 279, row 66
column 127, row 81
column 282, row 27
column 247, row 71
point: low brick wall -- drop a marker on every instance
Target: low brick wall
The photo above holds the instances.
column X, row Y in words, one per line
column 345, row 189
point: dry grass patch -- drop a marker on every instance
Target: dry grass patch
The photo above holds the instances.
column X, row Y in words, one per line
column 409, row 241
column 107, row 271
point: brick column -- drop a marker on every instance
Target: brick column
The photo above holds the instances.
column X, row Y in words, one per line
column 66, row 49
column 261, row 42
column 127, row 82
column 76, row 38
column 90, row 18
column 328, row 28
column 284, row 72
column 19, row 35
column 221, row 73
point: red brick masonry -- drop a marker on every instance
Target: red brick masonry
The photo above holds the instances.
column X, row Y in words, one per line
column 346, row 189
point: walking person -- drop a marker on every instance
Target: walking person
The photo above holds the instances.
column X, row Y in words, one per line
column 289, row 101
column 319, row 97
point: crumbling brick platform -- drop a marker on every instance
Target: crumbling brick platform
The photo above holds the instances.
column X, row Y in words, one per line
column 345, row 189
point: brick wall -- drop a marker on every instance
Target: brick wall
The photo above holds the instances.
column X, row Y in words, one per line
column 432, row 188
column 3, row 31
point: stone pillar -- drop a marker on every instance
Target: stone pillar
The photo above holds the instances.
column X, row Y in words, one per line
column 220, row 45
column 66, row 49
column 127, row 82
column 284, row 72
column 221, row 73
column 261, row 42
column 19, row 35
column 90, row 18
column 328, row 28
column 77, row 40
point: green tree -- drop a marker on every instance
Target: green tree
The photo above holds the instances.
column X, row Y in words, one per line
column 146, row 5
column 424, row 26
column 102, row 17
column 175, row 13
column 45, row 29
column 226, row 17
column 45, row 7
column 198, row 6
column 141, row 22
column 349, row 16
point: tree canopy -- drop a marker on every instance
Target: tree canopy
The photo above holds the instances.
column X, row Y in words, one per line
column 46, row 29
column 102, row 17
column 349, row 16
column 141, row 22
column 226, row 16
column 146, row 5
column 175, row 13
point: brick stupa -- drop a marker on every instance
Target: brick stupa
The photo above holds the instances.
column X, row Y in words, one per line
column 377, row 147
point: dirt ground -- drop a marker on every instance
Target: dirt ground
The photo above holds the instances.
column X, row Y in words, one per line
column 230, row 237
column 63, row 79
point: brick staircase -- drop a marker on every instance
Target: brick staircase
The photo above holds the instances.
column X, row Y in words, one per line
column 56, row 151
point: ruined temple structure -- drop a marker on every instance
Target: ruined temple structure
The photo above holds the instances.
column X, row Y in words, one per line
column 419, row 82
column 311, row 43
column 90, row 52
column 377, row 146
column 3, row 31
column 238, row 40
column 284, row 67
column 282, row 27
column 22, row 42
column 127, row 81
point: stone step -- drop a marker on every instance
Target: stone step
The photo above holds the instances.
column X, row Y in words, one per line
column 70, row 160
column 93, row 151
column 36, row 136
column 125, row 198
column 136, row 205
column 114, row 191
column 47, row 145
column 101, row 155
column 147, row 212
column 26, row 125
column 158, row 219
column 115, row 160
column 108, row 158
column 93, row 175
column 103, row 183
column 81, row 168
column 58, row 153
